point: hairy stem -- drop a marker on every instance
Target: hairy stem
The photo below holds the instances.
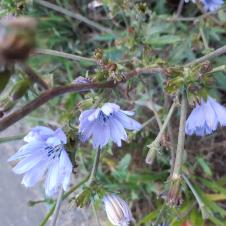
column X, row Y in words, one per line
column 181, row 136
column 215, row 53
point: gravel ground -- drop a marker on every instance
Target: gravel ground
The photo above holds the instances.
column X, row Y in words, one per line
column 14, row 210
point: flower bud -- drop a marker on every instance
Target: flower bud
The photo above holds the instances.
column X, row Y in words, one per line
column 117, row 210
column 17, row 38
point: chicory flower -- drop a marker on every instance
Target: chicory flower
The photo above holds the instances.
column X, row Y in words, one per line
column 106, row 123
column 44, row 154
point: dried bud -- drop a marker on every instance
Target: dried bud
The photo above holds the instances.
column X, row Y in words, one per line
column 142, row 7
column 117, row 210
column 99, row 54
column 17, row 38
column 206, row 67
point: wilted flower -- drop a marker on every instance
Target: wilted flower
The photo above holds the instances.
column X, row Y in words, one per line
column 17, row 38
column 205, row 118
column 209, row 5
column 117, row 210
column 106, row 123
column 43, row 154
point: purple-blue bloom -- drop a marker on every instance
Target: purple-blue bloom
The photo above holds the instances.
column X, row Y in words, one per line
column 106, row 123
column 205, row 118
column 209, row 5
column 44, row 154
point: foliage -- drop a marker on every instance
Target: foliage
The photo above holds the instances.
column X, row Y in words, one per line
column 142, row 34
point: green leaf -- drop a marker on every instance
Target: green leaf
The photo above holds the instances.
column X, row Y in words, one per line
column 163, row 40
column 124, row 163
column 204, row 166
column 104, row 37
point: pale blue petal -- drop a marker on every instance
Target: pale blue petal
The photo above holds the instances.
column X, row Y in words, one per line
column 94, row 115
column 219, row 110
column 39, row 133
column 127, row 122
column 101, row 135
column 27, row 150
column 87, row 130
column 28, row 163
column 210, row 116
column 59, row 133
column 52, row 179
column 65, row 169
column 109, row 108
column 34, row 175
column 118, row 133
column 86, row 114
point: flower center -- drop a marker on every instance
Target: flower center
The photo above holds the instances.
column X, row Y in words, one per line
column 54, row 151
column 104, row 118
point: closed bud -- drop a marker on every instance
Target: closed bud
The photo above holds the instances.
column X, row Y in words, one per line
column 19, row 89
column 117, row 210
column 17, row 38
column 154, row 147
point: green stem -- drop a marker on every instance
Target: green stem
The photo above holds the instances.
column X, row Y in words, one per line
column 95, row 166
column 65, row 195
column 95, row 214
column 58, row 205
column 63, row 54
column 205, row 42
column 12, row 138
column 49, row 214
column 181, row 137
column 149, row 157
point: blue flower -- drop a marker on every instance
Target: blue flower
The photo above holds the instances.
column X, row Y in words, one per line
column 106, row 123
column 210, row 5
column 44, row 154
column 205, row 118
